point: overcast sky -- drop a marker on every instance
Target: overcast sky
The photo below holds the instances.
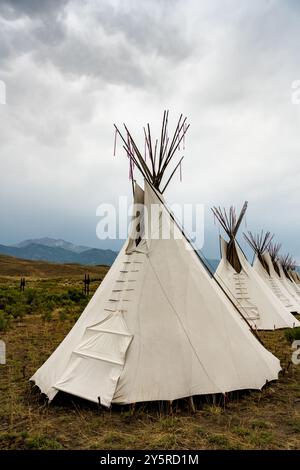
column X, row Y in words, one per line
column 73, row 68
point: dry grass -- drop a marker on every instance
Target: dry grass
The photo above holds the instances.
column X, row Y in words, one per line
column 252, row 420
column 13, row 267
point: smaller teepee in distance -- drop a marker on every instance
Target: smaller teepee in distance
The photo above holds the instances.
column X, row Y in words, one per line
column 256, row 302
column 283, row 277
column 290, row 266
column 263, row 265
column 287, row 264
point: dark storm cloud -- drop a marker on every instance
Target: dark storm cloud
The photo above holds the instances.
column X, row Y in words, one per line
column 150, row 27
column 28, row 25
column 112, row 64
column 126, row 34
column 12, row 9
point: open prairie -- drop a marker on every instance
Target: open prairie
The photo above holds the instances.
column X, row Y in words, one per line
column 33, row 323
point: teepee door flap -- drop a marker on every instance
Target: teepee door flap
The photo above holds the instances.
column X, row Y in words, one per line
column 96, row 364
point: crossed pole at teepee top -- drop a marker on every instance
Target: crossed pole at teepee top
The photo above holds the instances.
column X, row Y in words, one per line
column 160, row 151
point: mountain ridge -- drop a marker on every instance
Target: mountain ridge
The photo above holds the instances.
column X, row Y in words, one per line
column 52, row 242
column 63, row 252
column 36, row 251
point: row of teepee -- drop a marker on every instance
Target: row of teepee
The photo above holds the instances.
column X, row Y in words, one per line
column 161, row 326
column 266, row 293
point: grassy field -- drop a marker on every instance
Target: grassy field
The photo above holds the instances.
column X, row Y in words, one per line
column 33, row 323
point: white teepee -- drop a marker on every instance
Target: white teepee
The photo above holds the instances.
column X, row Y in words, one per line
column 287, row 267
column 257, row 303
column 284, row 280
column 295, row 277
column 264, row 267
column 289, row 284
column 158, row 327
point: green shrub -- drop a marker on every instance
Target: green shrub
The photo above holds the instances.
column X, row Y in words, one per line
column 292, row 334
column 47, row 315
column 41, row 442
column 7, row 298
column 30, row 295
column 76, row 295
column 259, row 424
column 43, row 300
column 4, row 321
column 219, row 440
column 17, row 310
column 63, row 314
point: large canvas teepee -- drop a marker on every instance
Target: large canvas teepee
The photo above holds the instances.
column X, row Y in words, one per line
column 245, row 287
column 158, row 327
column 264, row 266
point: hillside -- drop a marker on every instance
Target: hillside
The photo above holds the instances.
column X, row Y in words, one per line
column 34, row 322
column 64, row 252
column 269, row 419
column 54, row 242
column 57, row 254
column 10, row 266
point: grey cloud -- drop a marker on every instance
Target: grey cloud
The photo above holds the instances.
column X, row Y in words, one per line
column 149, row 26
column 107, row 64
column 128, row 59
column 152, row 27
column 38, row 24
column 142, row 32
column 32, row 8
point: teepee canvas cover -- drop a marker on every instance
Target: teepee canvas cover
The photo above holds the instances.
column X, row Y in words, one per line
column 158, row 327
column 287, row 268
column 245, row 287
column 264, row 267
column 295, row 276
column 284, row 278
column 271, row 259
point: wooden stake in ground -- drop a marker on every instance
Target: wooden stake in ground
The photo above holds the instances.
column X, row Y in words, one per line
column 87, row 282
column 22, row 284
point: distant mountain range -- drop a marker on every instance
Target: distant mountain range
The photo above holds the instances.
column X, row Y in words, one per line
column 54, row 243
column 61, row 251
